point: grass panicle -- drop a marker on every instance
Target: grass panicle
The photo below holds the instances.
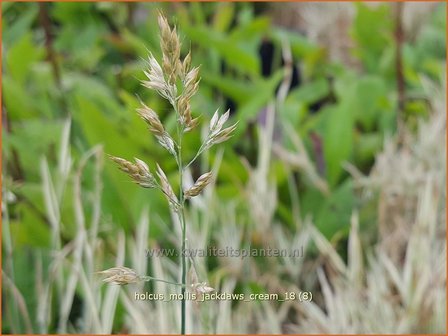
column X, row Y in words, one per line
column 165, row 79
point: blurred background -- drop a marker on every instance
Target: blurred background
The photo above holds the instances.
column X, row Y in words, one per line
column 340, row 150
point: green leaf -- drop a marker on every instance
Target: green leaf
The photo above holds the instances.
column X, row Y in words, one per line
column 300, row 45
column 368, row 145
column 236, row 55
column 237, row 90
column 30, row 151
column 136, row 43
column 264, row 92
column 14, row 30
column 30, row 230
column 372, row 31
column 331, row 214
column 334, row 215
column 311, row 55
column 198, row 12
column 368, row 101
column 309, row 93
column 17, row 107
column 338, row 140
column 21, row 56
column 223, row 16
column 252, row 31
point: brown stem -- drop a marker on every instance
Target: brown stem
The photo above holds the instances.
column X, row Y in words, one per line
column 317, row 143
column 131, row 14
column 45, row 22
column 16, row 169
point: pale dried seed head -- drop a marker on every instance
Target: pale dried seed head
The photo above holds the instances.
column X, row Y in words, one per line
column 155, row 67
column 186, row 64
column 214, row 120
column 217, row 123
column 223, row 119
column 120, row 275
column 159, row 87
column 199, row 185
column 156, row 79
column 138, row 172
column 156, row 127
column 192, row 77
column 179, row 68
column 194, row 122
column 174, row 45
column 167, row 142
column 216, row 133
column 166, row 64
column 184, row 111
column 191, row 83
column 170, row 45
column 164, row 27
column 202, row 288
column 151, row 118
column 224, row 135
column 167, row 189
column 142, row 167
column 124, row 165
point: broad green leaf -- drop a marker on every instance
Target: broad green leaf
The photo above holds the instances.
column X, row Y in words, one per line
column 338, row 140
column 372, row 31
column 223, row 16
column 98, row 129
column 334, row 215
column 310, row 54
column 141, row 47
column 309, row 93
column 236, row 55
column 14, row 30
column 21, row 56
column 198, row 12
column 300, row 46
column 368, row 144
column 237, row 90
column 295, row 108
column 30, row 151
column 94, row 89
column 263, row 93
column 368, row 101
column 30, row 229
column 254, row 30
column 16, row 106
column 331, row 214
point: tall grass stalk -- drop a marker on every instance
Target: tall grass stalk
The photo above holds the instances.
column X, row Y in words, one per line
column 176, row 81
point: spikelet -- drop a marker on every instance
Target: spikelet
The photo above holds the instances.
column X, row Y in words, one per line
column 216, row 133
column 156, row 128
column 191, row 84
column 156, row 80
column 201, row 288
column 170, row 45
column 120, row 275
column 199, row 185
column 139, row 171
column 167, row 189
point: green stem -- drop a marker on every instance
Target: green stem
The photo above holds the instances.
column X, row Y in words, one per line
column 150, row 278
column 184, row 273
column 181, row 214
column 201, row 149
